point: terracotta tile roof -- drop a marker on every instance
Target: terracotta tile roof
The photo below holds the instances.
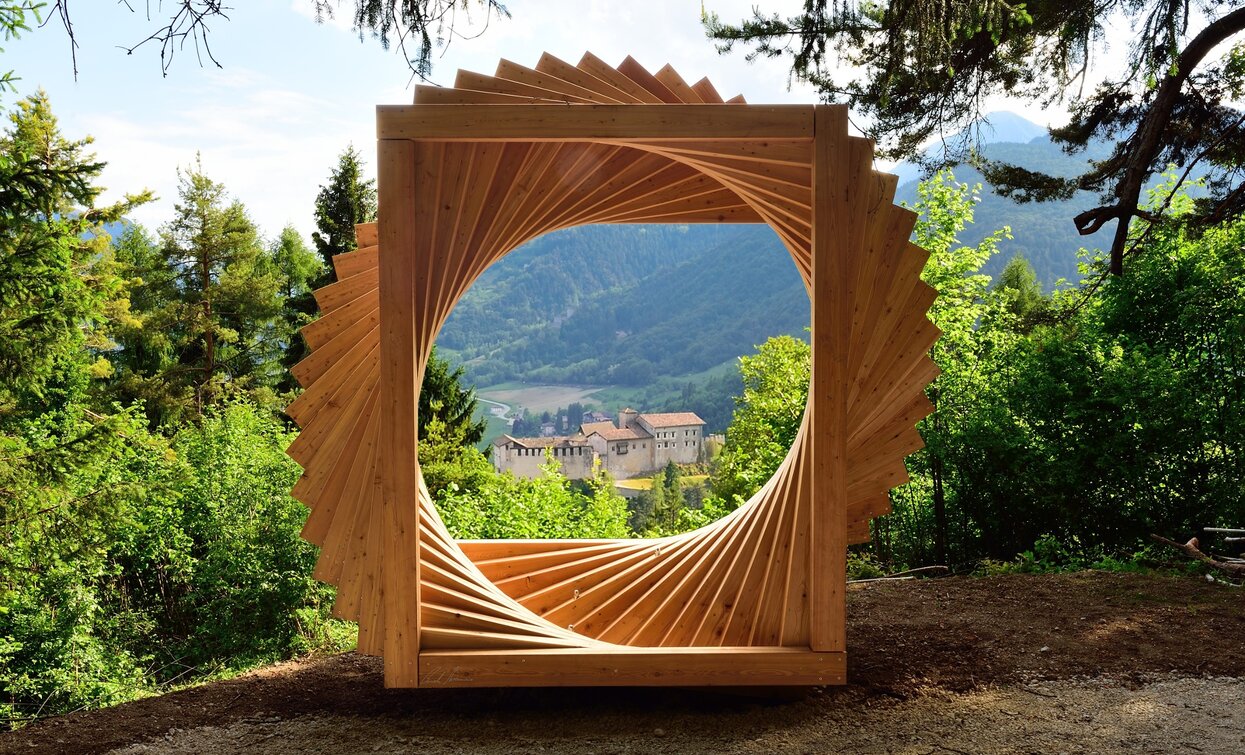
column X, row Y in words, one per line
column 672, row 419
column 588, row 428
column 609, row 432
column 545, row 442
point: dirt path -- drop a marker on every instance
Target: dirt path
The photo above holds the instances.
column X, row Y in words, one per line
column 1086, row 662
column 498, row 409
column 1166, row 716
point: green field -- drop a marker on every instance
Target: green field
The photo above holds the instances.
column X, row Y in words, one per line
column 646, row 483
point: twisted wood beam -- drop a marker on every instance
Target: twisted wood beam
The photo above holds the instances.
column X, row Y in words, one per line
column 470, row 173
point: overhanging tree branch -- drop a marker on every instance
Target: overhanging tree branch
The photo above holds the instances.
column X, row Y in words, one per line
column 1149, row 134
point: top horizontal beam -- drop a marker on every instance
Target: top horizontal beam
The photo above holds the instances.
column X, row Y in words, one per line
column 569, row 123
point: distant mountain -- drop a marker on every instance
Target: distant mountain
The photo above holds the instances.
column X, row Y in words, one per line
column 1002, row 126
column 996, row 127
column 1042, row 232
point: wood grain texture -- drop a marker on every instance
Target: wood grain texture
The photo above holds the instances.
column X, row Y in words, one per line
column 646, row 667
column 467, row 175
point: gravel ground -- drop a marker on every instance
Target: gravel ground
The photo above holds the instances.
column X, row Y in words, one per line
column 1161, row 715
column 1086, row 662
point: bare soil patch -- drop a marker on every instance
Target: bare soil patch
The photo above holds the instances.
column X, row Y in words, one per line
column 1088, row 661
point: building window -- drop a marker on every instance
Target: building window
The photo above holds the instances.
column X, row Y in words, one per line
column 622, row 448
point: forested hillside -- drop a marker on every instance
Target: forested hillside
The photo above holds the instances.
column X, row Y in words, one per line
column 626, row 305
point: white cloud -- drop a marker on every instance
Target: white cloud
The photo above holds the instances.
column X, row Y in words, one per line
column 271, row 147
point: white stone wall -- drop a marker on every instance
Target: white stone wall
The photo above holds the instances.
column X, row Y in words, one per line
column 526, row 462
column 636, row 462
column 680, row 444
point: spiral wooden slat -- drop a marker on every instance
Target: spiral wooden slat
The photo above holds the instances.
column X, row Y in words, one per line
column 469, row 173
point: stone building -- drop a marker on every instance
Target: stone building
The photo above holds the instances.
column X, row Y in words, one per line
column 523, row 456
column 639, row 445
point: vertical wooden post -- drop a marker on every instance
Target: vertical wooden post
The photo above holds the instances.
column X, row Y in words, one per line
column 399, row 386
column 831, row 328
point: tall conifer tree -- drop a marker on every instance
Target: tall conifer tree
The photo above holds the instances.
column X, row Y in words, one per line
column 347, row 199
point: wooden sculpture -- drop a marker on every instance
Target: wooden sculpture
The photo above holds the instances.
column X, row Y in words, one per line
column 470, row 173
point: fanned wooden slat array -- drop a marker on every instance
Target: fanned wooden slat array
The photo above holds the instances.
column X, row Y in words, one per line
column 468, row 174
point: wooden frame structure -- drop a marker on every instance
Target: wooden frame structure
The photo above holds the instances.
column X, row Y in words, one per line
column 468, row 174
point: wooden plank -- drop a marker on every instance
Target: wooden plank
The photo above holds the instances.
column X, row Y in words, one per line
column 632, row 69
column 345, row 291
column 505, row 551
column 433, row 95
column 323, row 330
column 705, row 90
column 507, row 69
column 318, row 362
column 625, row 667
column 675, row 83
column 476, row 123
column 353, row 263
column 441, row 639
column 403, row 167
column 365, row 234
column 603, row 91
column 835, row 241
column 593, row 65
column 795, row 625
column 484, row 83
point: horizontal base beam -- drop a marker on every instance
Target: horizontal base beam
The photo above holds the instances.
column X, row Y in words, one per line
column 632, row 667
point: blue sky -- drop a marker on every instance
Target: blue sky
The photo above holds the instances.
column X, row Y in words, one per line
column 292, row 94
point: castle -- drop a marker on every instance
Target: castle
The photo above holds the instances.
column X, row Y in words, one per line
column 638, row 446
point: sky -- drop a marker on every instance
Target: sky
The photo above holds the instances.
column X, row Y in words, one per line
column 292, row 94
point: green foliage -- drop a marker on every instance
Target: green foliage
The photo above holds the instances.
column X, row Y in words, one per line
column 131, row 561
column 13, row 23
column 548, row 506
column 239, row 576
column 443, row 398
column 1049, row 555
column 59, row 289
column 448, row 461
column 1018, row 282
column 346, row 200
column 767, row 417
column 212, row 323
column 1112, row 418
column 298, row 266
column 863, row 565
column 299, row 269
column 150, row 561
column 672, row 504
